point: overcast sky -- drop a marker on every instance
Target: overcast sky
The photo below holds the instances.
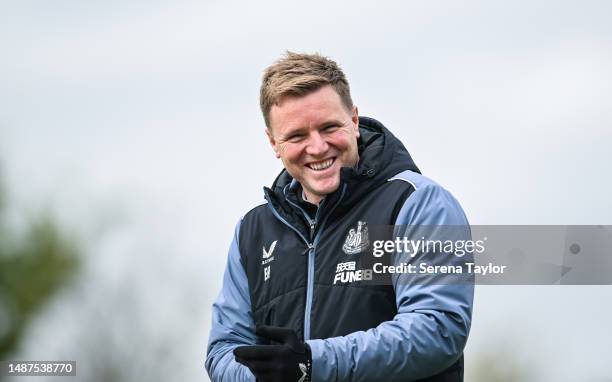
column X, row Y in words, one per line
column 137, row 123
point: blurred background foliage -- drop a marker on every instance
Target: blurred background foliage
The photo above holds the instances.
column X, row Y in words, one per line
column 34, row 265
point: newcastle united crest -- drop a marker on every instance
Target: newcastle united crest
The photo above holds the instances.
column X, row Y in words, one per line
column 357, row 239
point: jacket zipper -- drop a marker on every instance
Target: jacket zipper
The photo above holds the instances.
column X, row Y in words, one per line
column 312, row 244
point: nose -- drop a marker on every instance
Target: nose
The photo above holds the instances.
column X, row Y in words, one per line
column 316, row 144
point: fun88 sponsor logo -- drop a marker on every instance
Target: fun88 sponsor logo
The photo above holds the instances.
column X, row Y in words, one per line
column 346, row 273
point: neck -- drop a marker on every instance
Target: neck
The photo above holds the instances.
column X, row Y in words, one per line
column 311, row 198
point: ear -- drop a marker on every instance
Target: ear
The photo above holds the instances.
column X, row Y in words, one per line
column 355, row 119
column 272, row 142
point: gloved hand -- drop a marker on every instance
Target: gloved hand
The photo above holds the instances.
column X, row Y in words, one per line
column 288, row 362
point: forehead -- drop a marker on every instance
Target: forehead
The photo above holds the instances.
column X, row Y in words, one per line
column 320, row 106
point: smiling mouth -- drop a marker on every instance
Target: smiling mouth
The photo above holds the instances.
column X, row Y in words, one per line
column 322, row 165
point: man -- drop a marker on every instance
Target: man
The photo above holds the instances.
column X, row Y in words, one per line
column 283, row 314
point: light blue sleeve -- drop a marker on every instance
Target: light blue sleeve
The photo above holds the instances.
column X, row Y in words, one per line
column 232, row 323
column 430, row 330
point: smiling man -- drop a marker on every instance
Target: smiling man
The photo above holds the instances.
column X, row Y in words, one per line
column 315, row 135
column 283, row 314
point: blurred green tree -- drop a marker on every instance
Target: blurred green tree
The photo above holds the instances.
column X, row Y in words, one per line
column 34, row 265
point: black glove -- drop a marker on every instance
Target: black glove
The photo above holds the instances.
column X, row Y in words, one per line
column 288, row 362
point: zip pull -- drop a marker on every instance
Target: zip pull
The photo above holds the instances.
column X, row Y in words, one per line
column 310, row 246
column 312, row 229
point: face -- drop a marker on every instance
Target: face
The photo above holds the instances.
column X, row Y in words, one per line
column 315, row 136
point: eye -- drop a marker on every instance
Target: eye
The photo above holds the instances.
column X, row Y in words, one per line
column 294, row 138
column 330, row 128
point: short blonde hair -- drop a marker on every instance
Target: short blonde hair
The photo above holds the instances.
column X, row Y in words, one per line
column 298, row 74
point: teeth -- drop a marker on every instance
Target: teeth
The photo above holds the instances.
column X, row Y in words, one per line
column 321, row 165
